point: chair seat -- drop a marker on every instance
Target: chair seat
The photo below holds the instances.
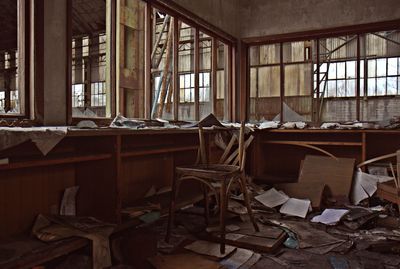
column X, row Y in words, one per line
column 209, row 171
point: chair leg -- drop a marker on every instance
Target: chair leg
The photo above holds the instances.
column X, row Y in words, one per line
column 222, row 215
column 206, row 204
column 247, row 202
column 171, row 210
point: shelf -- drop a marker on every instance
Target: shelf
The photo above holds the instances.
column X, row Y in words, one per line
column 48, row 161
column 154, row 151
column 314, row 143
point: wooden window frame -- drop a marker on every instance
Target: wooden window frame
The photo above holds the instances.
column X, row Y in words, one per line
column 316, row 35
column 112, row 39
column 216, row 35
column 24, row 52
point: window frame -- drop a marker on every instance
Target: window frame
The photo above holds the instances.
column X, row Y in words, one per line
column 357, row 30
column 24, row 46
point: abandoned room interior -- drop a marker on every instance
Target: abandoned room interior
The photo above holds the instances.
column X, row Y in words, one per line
column 236, row 134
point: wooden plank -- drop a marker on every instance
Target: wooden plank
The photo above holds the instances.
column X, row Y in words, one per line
column 54, row 161
column 158, row 150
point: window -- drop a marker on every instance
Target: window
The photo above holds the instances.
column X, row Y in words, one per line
column 12, row 84
column 202, row 73
column 91, row 61
column 333, row 95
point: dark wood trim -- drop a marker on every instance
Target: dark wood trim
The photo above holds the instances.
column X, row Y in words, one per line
column 196, row 74
column 282, row 77
column 316, row 116
column 113, row 52
column 27, row 58
column 214, row 67
column 244, row 89
column 189, row 17
column 358, row 78
column 229, row 79
column 69, row 63
column 147, row 73
column 175, row 55
column 321, row 33
column 39, row 61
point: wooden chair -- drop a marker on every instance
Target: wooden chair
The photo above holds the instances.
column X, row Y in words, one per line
column 229, row 169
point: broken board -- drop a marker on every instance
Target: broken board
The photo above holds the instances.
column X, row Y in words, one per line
column 268, row 240
column 337, row 174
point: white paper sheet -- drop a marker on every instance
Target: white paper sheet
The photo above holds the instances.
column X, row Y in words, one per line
column 68, row 203
column 330, row 216
column 296, row 207
column 272, row 198
column 365, row 185
column 209, row 249
column 238, row 258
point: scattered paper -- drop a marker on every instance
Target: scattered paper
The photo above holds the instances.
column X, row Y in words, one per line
column 296, row 207
column 330, row 216
column 272, row 198
column 238, row 258
column 209, row 249
column 236, row 207
column 68, row 203
column 365, row 185
column 269, row 125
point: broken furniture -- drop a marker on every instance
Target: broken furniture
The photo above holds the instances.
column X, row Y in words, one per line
column 390, row 190
column 281, row 161
column 223, row 174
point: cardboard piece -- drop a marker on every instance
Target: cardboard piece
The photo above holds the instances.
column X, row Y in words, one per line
column 305, row 190
column 337, row 174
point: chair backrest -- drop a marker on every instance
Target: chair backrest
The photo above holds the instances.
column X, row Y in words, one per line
column 230, row 156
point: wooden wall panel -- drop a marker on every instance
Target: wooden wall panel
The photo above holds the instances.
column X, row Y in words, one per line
column 26, row 193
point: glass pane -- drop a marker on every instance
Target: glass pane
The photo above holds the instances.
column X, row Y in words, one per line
column 392, row 85
column 264, row 83
column 10, row 62
column 221, row 106
column 381, row 67
column 371, row 68
column 341, row 70
column 186, row 66
column 381, row 86
column 162, row 66
column 205, row 89
column 351, row 88
column 341, row 88
column 90, row 64
column 392, row 67
column 371, row 87
column 351, row 69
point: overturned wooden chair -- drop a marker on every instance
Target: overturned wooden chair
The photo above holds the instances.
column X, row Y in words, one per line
column 216, row 176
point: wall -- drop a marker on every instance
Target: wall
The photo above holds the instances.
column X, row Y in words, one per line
column 267, row 17
column 220, row 13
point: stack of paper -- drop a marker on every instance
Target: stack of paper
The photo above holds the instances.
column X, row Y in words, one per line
column 330, row 216
column 296, row 207
column 272, row 198
column 290, row 206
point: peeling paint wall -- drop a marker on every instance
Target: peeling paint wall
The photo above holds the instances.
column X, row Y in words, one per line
column 220, row 13
column 267, row 17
